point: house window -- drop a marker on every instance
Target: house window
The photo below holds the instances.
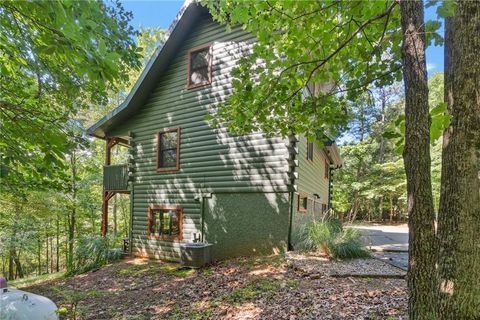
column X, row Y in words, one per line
column 310, row 151
column 199, row 67
column 327, row 170
column 302, row 204
column 165, row 222
column 168, row 149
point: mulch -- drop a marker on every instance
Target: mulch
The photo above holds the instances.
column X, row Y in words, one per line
column 244, row 288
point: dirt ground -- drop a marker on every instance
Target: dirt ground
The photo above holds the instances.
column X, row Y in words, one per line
column 245, row 288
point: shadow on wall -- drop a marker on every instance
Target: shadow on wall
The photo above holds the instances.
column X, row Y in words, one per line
column 242, row 181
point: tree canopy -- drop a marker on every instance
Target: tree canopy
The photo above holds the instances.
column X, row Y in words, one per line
column 355, row 46
column 56, row 58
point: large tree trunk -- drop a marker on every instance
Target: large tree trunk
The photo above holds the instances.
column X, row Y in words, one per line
column 391, row 207
column 11, row 273
column 73, row 213
column 459, row 211
column 57, row 247
column 39, row 255
column 416, row 154
column 46, row 251
column 18, row 264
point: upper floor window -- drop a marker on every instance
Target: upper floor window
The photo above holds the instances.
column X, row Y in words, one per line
column 168, row 149
column 165, row 222
column 310, row 151
column 199, row 67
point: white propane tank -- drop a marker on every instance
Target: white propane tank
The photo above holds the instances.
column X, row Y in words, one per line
column 21, row 305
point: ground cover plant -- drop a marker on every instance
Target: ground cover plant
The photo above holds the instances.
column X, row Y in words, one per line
column 331, row 238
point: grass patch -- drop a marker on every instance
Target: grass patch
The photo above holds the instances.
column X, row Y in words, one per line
column 135, row 270
column 200, row 314
column 178, row 312
column 173, row 270
column 331, row 238
column 251, row 262
column 208, row 271
column 138, row 270
column 255, row 289
column 71, row 300
column 30, row 281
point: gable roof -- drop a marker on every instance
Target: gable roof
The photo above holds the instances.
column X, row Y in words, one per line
column 180, row 27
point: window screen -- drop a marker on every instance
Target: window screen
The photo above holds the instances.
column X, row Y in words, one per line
column 199, row 67
column 168, row 149
column 165, row 222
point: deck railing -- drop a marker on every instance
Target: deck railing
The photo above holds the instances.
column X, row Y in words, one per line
column 115, row 177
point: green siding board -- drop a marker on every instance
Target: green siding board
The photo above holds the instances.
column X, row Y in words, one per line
column 310, row 180
column 311, row 173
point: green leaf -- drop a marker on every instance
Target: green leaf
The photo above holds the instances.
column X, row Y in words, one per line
column 440, row 108
column 447, row 8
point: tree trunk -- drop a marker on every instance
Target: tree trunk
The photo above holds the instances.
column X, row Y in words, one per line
column 92, row 219
column 383, row 101
column 125, row 211
column 57, row 263
column 39, row 255
column 72, row 218
column 380, row 209
column 391, row 208
column 46, row 250
column 18, row 264
column 11, row 274
column 51, row 256
column 459, row 210
column 416, row 154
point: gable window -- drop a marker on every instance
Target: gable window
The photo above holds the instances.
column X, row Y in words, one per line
column 327, row 170
column 165, row 222
column 168, row 149
column 302, row 204
column 310, row 151
column 199, row 67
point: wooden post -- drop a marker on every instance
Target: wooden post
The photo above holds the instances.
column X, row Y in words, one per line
column 104, row 213
column 108, row 151
column 107, row 195
column 108, row 160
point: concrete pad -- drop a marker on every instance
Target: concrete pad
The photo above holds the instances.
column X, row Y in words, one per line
column 388, row 243
column 378, row 237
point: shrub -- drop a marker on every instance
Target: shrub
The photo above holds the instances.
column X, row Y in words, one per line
column 331, row 238
column 93, row 252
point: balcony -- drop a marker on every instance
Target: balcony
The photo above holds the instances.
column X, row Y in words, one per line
column 115, row 178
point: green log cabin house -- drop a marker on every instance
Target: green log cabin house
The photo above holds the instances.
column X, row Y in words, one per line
column 188, row 181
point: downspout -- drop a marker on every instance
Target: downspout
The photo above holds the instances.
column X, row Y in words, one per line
column 201, row 198
column 130, row 229
column 131, row 164
column 330, row 186
column 330, row 171
column 202, row 216
column 292, row 150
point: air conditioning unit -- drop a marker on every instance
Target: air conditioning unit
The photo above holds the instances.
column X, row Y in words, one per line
column 196, row 254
